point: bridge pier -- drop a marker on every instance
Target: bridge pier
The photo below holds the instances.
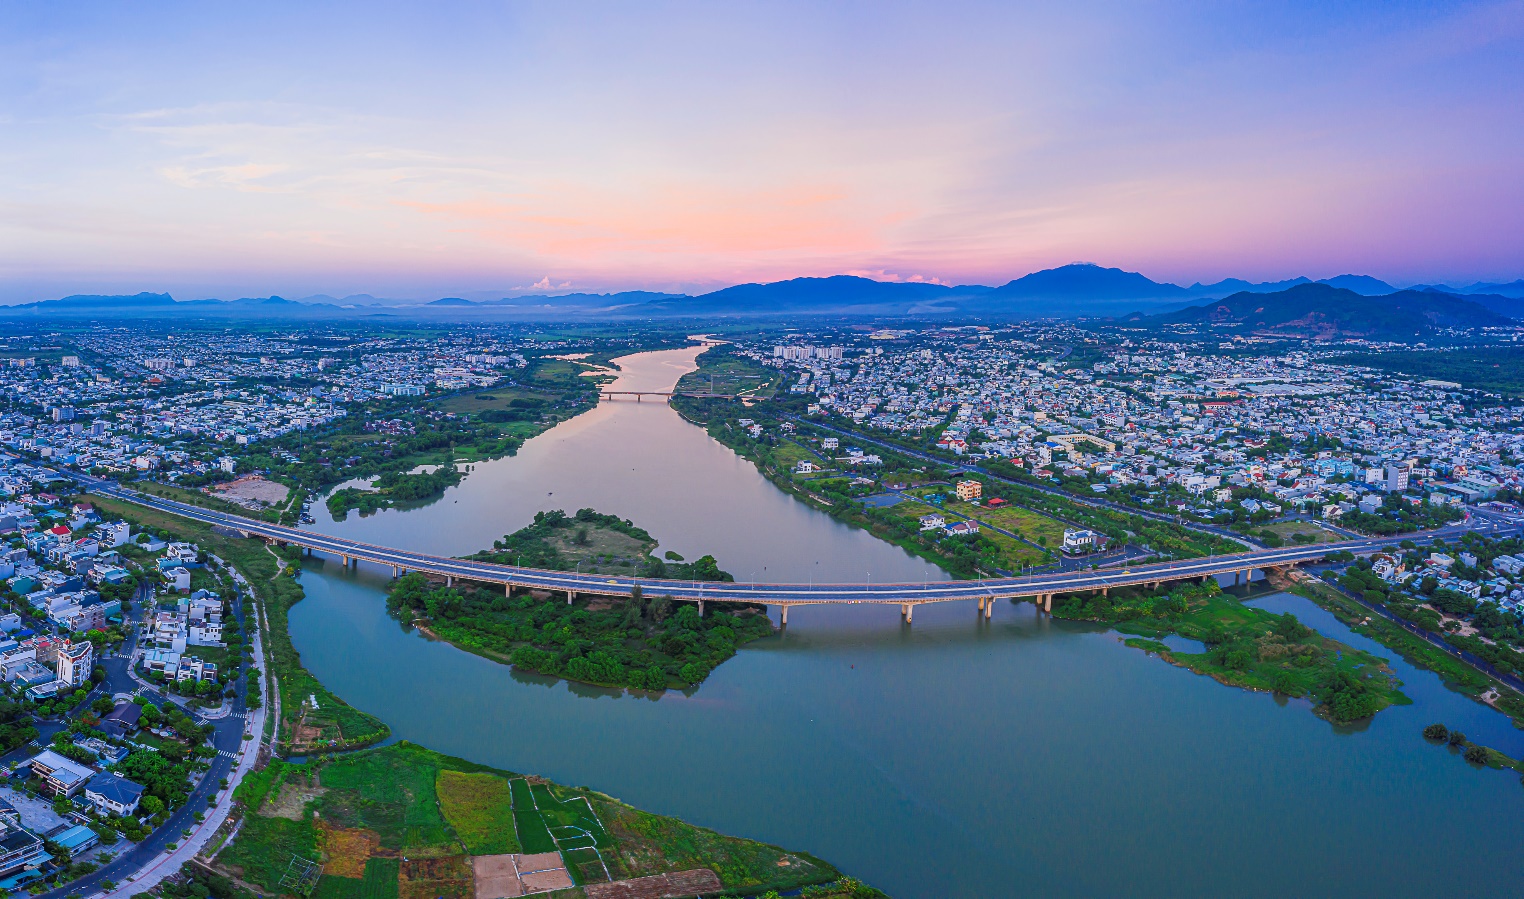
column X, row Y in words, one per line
column 1047, row 602
column 784, row 610
column 570, row 595
column 907, row 609
column 989, row 608
column 396, row 572
column 981, row 604
column 449, row 580
column 507, row 589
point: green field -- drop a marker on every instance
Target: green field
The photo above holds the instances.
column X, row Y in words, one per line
column 1034, row 526
column 479, row 808
column 380, row 882
column 391, row 793
column 534, row 835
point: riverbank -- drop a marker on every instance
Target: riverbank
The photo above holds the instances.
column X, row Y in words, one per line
column 407, row 822
column 311, row 718
column 643, row 642
column 1245, row 647
column 375, row 799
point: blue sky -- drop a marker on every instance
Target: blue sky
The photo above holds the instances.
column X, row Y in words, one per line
column 214, row 150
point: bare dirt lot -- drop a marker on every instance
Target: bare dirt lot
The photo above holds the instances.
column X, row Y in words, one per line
column 253, row 492
column 292, row 800
column 509, row 876
column 698, row 881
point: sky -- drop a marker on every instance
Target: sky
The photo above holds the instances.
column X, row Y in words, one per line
column 426, row 150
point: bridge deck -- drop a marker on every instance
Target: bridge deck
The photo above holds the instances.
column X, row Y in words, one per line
column 774, row 593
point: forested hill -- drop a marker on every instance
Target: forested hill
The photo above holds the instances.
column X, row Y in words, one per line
column 1324, row 311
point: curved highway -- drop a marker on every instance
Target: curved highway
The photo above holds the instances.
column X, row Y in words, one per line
column 1044, row 585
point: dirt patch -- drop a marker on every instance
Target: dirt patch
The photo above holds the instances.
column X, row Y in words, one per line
column 509, row 876
column 496, row 877
column 448, row 877
column 292, row 801
column 253, row 492
column 695, row 882
column 347, row 849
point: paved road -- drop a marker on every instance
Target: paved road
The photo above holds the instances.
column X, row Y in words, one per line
column 227, row 739
column 773, row 594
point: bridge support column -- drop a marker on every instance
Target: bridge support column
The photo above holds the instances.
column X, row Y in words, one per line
column 989, row 608
column 981, row 604
column 346, row 562
column 1047, row 602
column 449, row 580
column 570, row 595
column 701, row 608
column 907, row 609
column 507, row 589
column 784, row 610
column 396, row 572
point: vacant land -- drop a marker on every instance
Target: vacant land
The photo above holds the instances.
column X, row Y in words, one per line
column 1301, row 532
column 478, row 806
column 253, row 492
column 404, row 822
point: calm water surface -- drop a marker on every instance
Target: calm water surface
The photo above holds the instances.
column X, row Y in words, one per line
column 957, row 758
column 641, row 461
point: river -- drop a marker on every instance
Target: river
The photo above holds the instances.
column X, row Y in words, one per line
column 955, row 758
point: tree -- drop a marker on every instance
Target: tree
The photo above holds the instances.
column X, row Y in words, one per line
column 1477, row 755
column 1457, row 738
column 152, row 805
column 1436, row 732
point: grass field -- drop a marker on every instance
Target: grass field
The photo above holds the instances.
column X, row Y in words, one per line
column 1290, row 529
column 427, row 807
column 379, row 882
column 390, row 793
column 651, row 844
column 480, row 809
column 1031, row 525
column 534, row 836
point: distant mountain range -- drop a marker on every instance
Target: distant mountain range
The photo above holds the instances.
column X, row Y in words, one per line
column 1069, row 291
column 1322, row 310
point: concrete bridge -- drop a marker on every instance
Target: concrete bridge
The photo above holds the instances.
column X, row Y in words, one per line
column 1039, row 588
column 664, row 394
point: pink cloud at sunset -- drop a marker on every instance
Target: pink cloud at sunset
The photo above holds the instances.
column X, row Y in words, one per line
column 681, row 147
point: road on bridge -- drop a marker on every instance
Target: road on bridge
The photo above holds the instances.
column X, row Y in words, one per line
column 402, row 560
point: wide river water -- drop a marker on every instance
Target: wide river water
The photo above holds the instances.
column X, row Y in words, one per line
column 955, row 758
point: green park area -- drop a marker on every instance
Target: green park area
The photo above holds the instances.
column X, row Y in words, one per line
column 722, row 370
column 1245, row 647
column 405, row 822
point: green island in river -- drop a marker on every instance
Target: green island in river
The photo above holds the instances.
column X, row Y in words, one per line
column 405, row 822
column 643, row 642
